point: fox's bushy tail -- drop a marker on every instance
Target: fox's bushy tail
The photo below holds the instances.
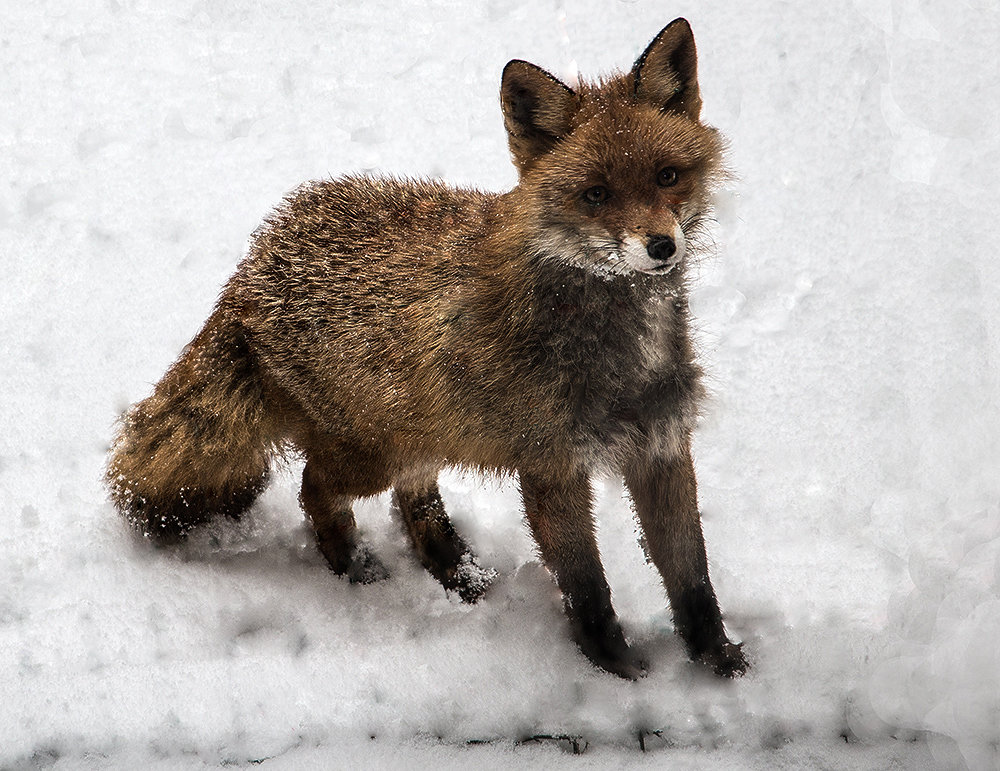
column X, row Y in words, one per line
column 200, row 445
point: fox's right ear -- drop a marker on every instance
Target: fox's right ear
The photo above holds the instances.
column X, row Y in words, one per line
column 537, row 110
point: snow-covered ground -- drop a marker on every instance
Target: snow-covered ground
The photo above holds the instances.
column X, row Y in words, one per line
column 849, row 461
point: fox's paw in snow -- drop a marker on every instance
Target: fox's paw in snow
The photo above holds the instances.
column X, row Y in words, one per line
column 469, row 579
column 628, row 666
column 726, row 659
column 607, row 648
column 362, row 566
column 366, row 567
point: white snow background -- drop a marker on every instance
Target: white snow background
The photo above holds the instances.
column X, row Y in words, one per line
column 849, row 460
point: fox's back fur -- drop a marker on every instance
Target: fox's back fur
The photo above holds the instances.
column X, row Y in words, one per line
column 389, row 328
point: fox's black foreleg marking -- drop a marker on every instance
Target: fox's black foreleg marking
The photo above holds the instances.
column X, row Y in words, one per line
column 441, row 550
column 559, row 513
column 666, row 500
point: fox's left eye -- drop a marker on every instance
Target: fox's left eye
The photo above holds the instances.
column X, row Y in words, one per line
column 667, row 177
column 596, row 195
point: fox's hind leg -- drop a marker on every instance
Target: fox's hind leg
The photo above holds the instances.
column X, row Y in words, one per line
column 328, row 490
column 441, row 550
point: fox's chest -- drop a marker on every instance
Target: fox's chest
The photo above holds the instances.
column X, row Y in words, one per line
column 621, row 368
column 609, row 345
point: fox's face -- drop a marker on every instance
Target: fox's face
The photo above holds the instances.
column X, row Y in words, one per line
column 620, row 171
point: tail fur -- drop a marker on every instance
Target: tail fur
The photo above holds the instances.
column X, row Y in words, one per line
column 199, row 446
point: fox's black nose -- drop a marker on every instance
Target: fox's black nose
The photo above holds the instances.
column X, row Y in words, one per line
column 661, row 247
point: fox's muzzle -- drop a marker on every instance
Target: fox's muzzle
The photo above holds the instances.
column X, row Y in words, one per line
column 661, row 248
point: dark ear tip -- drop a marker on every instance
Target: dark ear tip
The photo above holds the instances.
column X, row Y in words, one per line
column 515, row 64
column 519, row 66
column 680, row 24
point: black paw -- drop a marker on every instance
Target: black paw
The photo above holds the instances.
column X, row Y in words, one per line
column 469, row 579
column 609, row 651
column 628, row 667
column 726, row 659
column 366, row 567
column 360, row 565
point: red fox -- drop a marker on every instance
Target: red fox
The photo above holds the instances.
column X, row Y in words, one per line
column 386, row 329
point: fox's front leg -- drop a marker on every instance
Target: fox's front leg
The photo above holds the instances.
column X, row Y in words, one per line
column 666, row 499
column 559, row 512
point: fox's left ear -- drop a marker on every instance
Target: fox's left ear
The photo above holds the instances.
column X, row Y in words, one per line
column 666, row 74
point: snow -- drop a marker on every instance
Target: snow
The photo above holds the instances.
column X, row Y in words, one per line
column 849, row 461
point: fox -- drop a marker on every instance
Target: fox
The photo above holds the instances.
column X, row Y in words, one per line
column 385, row 329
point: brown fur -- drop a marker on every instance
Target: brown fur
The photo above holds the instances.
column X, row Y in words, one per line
column 388, row 328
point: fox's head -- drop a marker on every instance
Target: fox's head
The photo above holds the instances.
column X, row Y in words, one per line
column 619, row 171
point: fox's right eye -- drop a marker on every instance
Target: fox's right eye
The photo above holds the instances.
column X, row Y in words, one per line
column 667, row 177
column 596, row 195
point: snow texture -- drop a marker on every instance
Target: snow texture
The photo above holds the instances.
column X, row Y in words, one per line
column 849, row 461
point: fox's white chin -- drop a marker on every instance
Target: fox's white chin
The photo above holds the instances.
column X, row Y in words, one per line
column 634, row 254
column 660, row 271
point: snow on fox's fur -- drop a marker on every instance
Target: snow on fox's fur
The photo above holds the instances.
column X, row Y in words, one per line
column 386, row 329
